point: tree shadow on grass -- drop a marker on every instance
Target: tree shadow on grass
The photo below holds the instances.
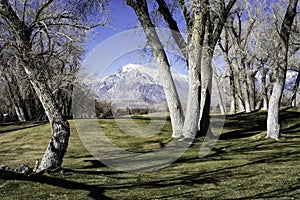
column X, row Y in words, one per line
column 96, row 192
column 22, row 126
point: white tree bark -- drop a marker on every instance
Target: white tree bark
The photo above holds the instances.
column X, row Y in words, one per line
column 206, row 87
column 220, row 99
column 190, row 126
column 53, row 156
column 294, row 91
column 273, row 126
column 174, row 105
column 57, row 147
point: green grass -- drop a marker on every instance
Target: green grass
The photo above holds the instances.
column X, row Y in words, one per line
column 242, row 165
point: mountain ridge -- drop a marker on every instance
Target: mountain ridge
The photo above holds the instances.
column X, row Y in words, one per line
column 139, row 86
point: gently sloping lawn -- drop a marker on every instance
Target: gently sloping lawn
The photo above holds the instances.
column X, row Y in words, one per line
column 242, row 165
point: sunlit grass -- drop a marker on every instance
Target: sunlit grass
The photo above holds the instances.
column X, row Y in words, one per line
column 242, row 165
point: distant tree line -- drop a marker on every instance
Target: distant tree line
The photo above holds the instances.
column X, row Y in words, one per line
column 105, row 109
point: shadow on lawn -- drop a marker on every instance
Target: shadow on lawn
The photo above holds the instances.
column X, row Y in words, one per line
column 251, row 124
column 23, row 125
column 95, row 191
column 247, row 124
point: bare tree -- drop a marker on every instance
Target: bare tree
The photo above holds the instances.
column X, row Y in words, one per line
column 204, row 21
column 273, row 126
column 36, row 33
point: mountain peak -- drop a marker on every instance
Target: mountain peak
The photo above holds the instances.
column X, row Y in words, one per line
column 138, row 86
column 130, row 67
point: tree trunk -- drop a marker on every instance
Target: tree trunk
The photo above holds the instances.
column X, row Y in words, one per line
column 190, row 127
column 273, row 126
column 174, row 105
column 225, row 52
column 245, row 91
column 206, row 86
column 232, row 94
column 251, row 84
column 16, row 101
column 57, row 147
column 294, row 91
column 53, row 157
column 238, row 95
column 220, row 99
column 264, row 90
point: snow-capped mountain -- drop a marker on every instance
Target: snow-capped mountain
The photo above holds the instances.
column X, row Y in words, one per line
column 137, row 85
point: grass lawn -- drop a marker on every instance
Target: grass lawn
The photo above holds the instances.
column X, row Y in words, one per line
column 242, row 164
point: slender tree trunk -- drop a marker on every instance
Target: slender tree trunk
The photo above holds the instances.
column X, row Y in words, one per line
column 16, row 99
column 246, row 93
column 251, row 84
column 225, row 52
column 273, row 126
column 264, row 90
column 220, row 99
column 238, row 95
column 174, row 105
column 294, row 91
column 232, row 94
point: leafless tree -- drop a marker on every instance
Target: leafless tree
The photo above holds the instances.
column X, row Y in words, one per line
column 38, row 34
column 273, row 126
column 203, row 21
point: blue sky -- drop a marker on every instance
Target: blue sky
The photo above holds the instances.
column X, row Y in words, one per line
column 122, row 17
column 111, row 47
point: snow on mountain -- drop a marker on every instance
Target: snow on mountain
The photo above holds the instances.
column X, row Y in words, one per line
column 137, row 85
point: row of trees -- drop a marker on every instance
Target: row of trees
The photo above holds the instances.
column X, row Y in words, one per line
column 249, row 47
column 261, row 39
column 41, row 46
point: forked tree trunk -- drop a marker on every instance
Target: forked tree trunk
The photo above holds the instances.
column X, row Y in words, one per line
column 273, row 126
column 201, row 11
